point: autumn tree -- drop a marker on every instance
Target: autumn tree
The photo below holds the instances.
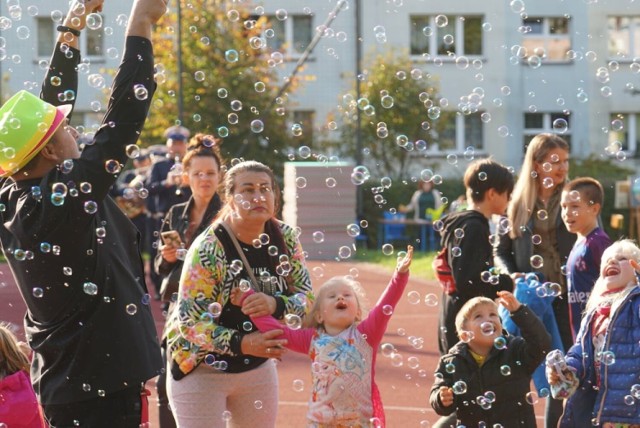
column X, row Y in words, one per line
column 400, row 115
column 229, row 80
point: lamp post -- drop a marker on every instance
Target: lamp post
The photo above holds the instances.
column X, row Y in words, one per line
column 179, row 57
column 358, row 157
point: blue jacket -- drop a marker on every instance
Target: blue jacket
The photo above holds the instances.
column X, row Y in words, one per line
column 541, row 306
column 607, row 404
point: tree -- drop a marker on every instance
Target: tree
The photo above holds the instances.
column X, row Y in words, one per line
column 229, row 81
column 399, row 114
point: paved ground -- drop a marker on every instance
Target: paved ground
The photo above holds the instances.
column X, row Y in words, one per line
column 404, row 382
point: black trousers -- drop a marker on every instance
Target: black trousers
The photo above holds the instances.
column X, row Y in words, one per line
column 122, row 409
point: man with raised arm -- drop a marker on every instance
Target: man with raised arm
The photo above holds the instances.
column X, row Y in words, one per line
column 73, row 253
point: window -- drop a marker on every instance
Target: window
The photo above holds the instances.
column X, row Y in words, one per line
column 45, row 36
column 440, row 36
column 555, row 123
column 291, row 36
column 624, row 134
column 91, row 41
column 455, row 132
column 305, row 118
column 624, row 36
column 547, row 38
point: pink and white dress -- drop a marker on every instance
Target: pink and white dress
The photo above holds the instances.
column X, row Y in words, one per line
column 343, row 366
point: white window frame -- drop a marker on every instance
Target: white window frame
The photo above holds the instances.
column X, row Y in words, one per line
column 461, row 140
column 287, row 48
column 633, row 40
column 433, row 38
column 547, row 126
column 547, row 37
column 83, row 42
column 631, row 129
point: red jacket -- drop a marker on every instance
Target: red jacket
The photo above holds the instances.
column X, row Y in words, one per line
column 19, row 406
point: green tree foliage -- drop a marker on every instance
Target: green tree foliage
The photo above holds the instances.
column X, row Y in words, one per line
column 229, row 80
column 399, row 112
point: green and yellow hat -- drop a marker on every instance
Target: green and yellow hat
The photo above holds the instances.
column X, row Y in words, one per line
column 26, row 126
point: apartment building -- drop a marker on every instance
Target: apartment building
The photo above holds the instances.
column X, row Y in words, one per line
column 511, row 68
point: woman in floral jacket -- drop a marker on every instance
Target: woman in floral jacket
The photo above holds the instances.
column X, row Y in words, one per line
column 237, row 382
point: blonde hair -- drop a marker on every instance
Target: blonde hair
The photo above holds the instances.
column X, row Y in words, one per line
column 310, row 319
column 467, row 309
column 12, row 359
column 525, row 192
column 624, row 247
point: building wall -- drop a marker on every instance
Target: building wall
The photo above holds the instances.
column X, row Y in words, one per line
column 330, row 71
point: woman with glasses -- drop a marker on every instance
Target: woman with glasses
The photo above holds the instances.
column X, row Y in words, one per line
column 222, row 367
column 184, row 222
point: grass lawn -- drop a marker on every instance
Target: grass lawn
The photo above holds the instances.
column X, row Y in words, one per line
column 420, row 266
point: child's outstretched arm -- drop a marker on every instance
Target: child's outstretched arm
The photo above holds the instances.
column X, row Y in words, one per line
column 376, row 322
column 297, row 340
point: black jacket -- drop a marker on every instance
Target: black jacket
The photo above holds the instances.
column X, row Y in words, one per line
column 506, row 373
column 178, row 219
column 476, row 256
column 89, row 322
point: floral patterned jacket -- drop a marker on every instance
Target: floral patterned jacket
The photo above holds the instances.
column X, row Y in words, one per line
column 193, row 330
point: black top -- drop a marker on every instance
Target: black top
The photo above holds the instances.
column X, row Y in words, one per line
column 178, row 219
column 77, row 264
column 231, row 315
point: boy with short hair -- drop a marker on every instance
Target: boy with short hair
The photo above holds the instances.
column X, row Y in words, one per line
column 580, row 203
column 465, row 234
column 485, row 377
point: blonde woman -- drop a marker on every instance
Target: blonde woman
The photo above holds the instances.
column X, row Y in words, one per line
column 536, row 239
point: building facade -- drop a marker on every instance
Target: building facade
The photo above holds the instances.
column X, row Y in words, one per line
column 511, row 69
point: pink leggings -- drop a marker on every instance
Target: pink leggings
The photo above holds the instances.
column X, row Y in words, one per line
column 211, row 398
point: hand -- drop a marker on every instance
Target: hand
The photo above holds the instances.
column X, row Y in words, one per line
column 77, row 15
column 552, row 375
column 259, row 304
column 236, row 296
column 168, row 253
column 265, row 345
column 509, row 301
column 405, row 262
column 446, row 396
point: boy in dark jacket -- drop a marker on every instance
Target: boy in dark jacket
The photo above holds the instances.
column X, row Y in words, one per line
column 466, row 235
column 485, row 377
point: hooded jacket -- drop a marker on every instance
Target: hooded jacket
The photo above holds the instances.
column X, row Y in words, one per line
column 506, row 373
column 607, row 403
column 475, row 257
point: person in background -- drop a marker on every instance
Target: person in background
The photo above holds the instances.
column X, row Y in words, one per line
column 165, row 188
column 342, row 345
column 534, row 238
column 426, row 197
column 601, row 368
column 130, row 195
column 73, row 253
column 220, row 363
column 580, row 206
column 19, row 406
column 202, row 173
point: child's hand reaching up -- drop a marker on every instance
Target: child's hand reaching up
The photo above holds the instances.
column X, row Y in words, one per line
column 446, row 396
column 405, row 262
column 509, row 301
